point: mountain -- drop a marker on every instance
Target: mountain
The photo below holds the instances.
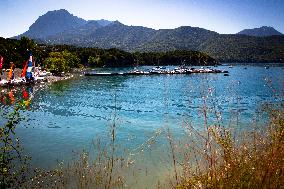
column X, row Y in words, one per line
column 106, row 34
column 260, row 32
column 60, row 23
column 51, row 23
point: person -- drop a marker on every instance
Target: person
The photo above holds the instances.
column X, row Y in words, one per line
column 1, row 64
column 11, row 72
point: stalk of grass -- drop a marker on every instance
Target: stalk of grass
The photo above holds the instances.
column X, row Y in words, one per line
column 256, row 162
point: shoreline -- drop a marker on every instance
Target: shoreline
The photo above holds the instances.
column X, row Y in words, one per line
column 53, row 79
column 46, row 79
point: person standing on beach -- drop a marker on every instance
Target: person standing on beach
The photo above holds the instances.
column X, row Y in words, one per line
column 1, row 64
column 11, row 72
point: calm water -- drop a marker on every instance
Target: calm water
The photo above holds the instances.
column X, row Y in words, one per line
column 65, row 117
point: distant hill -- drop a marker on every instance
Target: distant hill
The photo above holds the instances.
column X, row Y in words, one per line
column 107, row 34
column 260, row 32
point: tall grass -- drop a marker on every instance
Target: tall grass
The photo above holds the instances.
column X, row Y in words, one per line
column 216, row 158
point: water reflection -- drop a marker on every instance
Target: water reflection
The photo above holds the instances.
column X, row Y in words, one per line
column 10, row 96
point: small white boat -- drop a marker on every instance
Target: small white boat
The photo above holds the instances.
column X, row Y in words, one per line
column 39, row 78
column 43, row 73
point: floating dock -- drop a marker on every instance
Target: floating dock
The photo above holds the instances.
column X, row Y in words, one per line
column 156, row 72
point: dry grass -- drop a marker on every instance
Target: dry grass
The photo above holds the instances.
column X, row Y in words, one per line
column 256, row 160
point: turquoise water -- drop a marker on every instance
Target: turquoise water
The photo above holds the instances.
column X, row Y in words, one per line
column 67, row 116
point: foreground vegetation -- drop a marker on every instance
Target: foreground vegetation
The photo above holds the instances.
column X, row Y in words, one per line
column 13, row 163
column 60, row 58
column 254, row 160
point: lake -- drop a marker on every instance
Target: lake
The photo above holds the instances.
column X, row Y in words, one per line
column 66, row 117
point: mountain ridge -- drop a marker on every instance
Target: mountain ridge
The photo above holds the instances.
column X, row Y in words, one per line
column 114, row 34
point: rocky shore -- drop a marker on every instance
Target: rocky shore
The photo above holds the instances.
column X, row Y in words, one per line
column 52, row 79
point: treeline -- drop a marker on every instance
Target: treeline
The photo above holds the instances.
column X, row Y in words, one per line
column 64, row 57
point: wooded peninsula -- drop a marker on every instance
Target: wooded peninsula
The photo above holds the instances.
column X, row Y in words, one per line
column 59, row 58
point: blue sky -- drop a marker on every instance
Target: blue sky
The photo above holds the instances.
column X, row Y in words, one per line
column 222, row 16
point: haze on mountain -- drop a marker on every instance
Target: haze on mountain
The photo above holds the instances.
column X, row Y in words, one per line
column 61, row 27
column 260, row 32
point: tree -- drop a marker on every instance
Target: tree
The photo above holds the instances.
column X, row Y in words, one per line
column 92, row 61
column 59, row 62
